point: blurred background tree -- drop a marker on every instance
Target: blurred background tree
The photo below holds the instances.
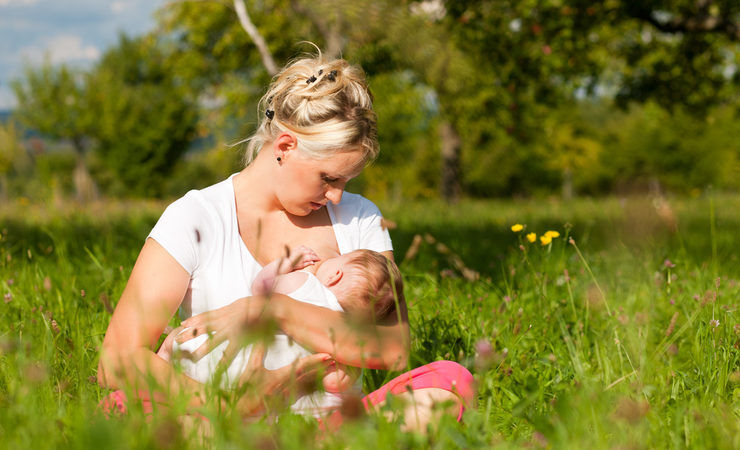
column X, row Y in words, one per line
column 145, row 117
column 476, row 98
column 14, row 160
column 52, row 101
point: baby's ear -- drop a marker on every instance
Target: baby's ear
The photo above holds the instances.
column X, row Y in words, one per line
column 335, row 278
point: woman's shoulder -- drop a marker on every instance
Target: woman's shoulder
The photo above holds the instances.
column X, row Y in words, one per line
column 196, row 221
column 358, row 224
column 214, row 201
column 354, row 206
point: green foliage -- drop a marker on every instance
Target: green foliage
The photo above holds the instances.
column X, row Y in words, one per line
column 676, row 150
column 130, row 109
column 408, row 165
column 51, row 101
column 531, row 88
column 198, row 170
column 144, row 119
column 15, row 163
column 12, row 153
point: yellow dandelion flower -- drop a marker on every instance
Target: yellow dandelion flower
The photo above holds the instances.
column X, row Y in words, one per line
column 531, row 237
column 545, row 239
column 517, row 227
column 552, row 234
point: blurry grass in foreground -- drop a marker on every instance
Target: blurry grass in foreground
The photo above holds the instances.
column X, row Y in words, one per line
column 636, row 343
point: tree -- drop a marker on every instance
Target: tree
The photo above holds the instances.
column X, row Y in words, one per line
column 494, row 70
column 52, row 101
column 677, row 52
column 12, row 154
column 130, row 112
column 144, row 117
column 383, row 36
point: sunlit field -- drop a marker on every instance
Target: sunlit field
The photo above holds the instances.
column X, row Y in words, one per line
column 621, row 331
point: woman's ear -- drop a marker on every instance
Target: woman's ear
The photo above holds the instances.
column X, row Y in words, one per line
column 283, row 145
column 334, row 278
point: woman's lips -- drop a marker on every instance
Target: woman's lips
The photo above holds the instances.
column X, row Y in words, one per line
column 315, row 205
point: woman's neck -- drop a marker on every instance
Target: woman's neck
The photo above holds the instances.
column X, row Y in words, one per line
column 254, row 186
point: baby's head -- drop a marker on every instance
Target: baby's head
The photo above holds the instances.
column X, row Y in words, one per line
column 368, row 283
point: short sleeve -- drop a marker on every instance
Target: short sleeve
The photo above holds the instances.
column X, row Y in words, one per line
column 358, row 224
column 373, row 235
column 181, row 228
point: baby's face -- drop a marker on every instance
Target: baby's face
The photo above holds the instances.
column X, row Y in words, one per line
column 330, row 267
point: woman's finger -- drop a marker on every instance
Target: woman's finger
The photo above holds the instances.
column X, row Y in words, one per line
column 188, row 333
column 213, row 341
column 199, row 320
column 229, row 354
column 301, row 375
column 255, row 367
column 256, row 358
column 311, row 363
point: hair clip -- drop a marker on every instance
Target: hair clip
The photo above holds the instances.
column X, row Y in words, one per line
column 311, row 80
column 332, row 75
column 269, row 113
column 321, row 71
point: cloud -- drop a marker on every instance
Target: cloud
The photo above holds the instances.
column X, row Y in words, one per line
column 117, row 7
column 17, row 2
column 62, row 48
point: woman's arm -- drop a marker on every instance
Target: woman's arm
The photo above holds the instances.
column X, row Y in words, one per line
column 356, row 344
column 154, row 291
column 321, row 330
column 361, row 345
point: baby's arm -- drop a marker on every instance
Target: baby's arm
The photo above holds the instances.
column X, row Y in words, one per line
column 299, row 258
column 339, row 378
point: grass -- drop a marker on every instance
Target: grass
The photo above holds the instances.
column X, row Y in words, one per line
column 629, row 337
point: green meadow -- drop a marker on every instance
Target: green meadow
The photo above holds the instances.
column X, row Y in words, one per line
column 623, row 331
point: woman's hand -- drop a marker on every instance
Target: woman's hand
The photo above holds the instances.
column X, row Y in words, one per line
column 288, row 381
column 228, row 323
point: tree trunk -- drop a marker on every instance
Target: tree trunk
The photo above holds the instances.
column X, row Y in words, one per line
column 567, row 190
column 85, row 188
column 450, row 162
column 259, row 41
column 3, row 188
column 331, row 32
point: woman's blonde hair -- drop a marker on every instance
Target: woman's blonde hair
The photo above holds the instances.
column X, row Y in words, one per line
column 327, row 105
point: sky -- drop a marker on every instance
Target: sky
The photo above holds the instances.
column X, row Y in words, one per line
column 75, row 32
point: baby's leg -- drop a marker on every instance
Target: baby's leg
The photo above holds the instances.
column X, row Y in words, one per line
column 427, row 392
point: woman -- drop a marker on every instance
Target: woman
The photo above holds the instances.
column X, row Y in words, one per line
column 318, row 131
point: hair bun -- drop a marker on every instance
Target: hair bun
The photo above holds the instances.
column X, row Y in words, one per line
column 326, row 104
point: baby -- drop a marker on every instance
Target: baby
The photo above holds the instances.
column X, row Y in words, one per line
column 362, row 283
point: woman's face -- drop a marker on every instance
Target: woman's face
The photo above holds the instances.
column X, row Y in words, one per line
column 306, row 184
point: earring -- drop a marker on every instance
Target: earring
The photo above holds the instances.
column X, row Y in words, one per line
column 279, row 159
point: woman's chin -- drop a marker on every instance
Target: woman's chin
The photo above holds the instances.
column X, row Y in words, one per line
column 300, row 211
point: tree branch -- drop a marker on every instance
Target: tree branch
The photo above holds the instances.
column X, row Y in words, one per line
column 246, row 23
column 331, row 33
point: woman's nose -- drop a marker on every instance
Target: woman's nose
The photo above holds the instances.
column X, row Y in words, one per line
column 334, row 195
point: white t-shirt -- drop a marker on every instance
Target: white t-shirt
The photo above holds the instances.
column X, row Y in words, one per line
column 200, row 231
column 283, row 351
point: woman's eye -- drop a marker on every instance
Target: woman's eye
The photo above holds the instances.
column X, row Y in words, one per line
column 330, row 179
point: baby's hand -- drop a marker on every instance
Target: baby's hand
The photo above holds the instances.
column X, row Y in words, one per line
column 301, row 257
